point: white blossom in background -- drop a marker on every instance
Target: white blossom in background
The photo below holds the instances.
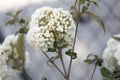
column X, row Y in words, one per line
column 10, row 48
column 112, row 53
column 6, row 72
column 45, row 20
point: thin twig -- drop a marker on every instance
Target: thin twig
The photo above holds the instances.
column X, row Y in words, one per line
column 62, row 61
column 53, row 64
column 26, row 75
column 77, row 25
column 93, row 71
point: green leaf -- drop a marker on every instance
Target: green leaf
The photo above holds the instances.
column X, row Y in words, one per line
column 27, row 21
column 19, row 49
column 22, row 30
column 10, row 22
column 95, row 4
column 81, row 1
column 89, row 61
column 51, row 50
column 99, row 62
column 22, row 21
column 72, row 54
column 73, row 7
column 16, row 14
column 10, row 14
column 64, row 46
column 97, row 19
column 105, row 72
column 55, row 44
column 84, row 9
column 72, row 12
column 92, row 55
column 116, row 38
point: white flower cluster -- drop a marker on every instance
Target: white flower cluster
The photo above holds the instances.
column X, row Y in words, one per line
column 7, row 48
column 6, row 72
column 112, row 53
column 45, row 20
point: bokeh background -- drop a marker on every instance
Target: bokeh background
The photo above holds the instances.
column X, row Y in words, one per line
column 90, row 39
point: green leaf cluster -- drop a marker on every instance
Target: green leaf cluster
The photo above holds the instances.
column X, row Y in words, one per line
column 93, row 59
column 72, row 54
column 20, row 21
column 81, row 7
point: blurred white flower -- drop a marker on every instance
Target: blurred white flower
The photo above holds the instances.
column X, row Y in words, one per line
column 45, row 20
column 6, row 72
column 112, row 53
column 12, row 55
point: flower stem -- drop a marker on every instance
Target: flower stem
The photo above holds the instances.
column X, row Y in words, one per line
column 77, row 25
column 62, row 61
column 25, row 75
column 54, row 64
column 93, row 71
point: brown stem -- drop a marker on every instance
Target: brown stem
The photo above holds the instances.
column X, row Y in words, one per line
column 54, row 64
column 77, row 25
column 93, row 71
column 62, row 61
column 25, row 75
column 63, row 66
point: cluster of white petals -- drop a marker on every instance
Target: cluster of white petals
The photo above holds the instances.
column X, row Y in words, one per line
column 6, row 72
column 8, row 45
column 112, row 53
column 7, row 48
column 45, row 20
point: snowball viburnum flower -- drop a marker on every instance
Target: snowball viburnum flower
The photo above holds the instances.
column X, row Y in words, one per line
column 112, row 53
column 10, row 55
column 6, row 72
column 45, row 20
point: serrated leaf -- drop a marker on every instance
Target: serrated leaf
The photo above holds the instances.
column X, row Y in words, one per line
column 10, row 22
column 10, row 14
column 97, row 19
column 105, row 72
